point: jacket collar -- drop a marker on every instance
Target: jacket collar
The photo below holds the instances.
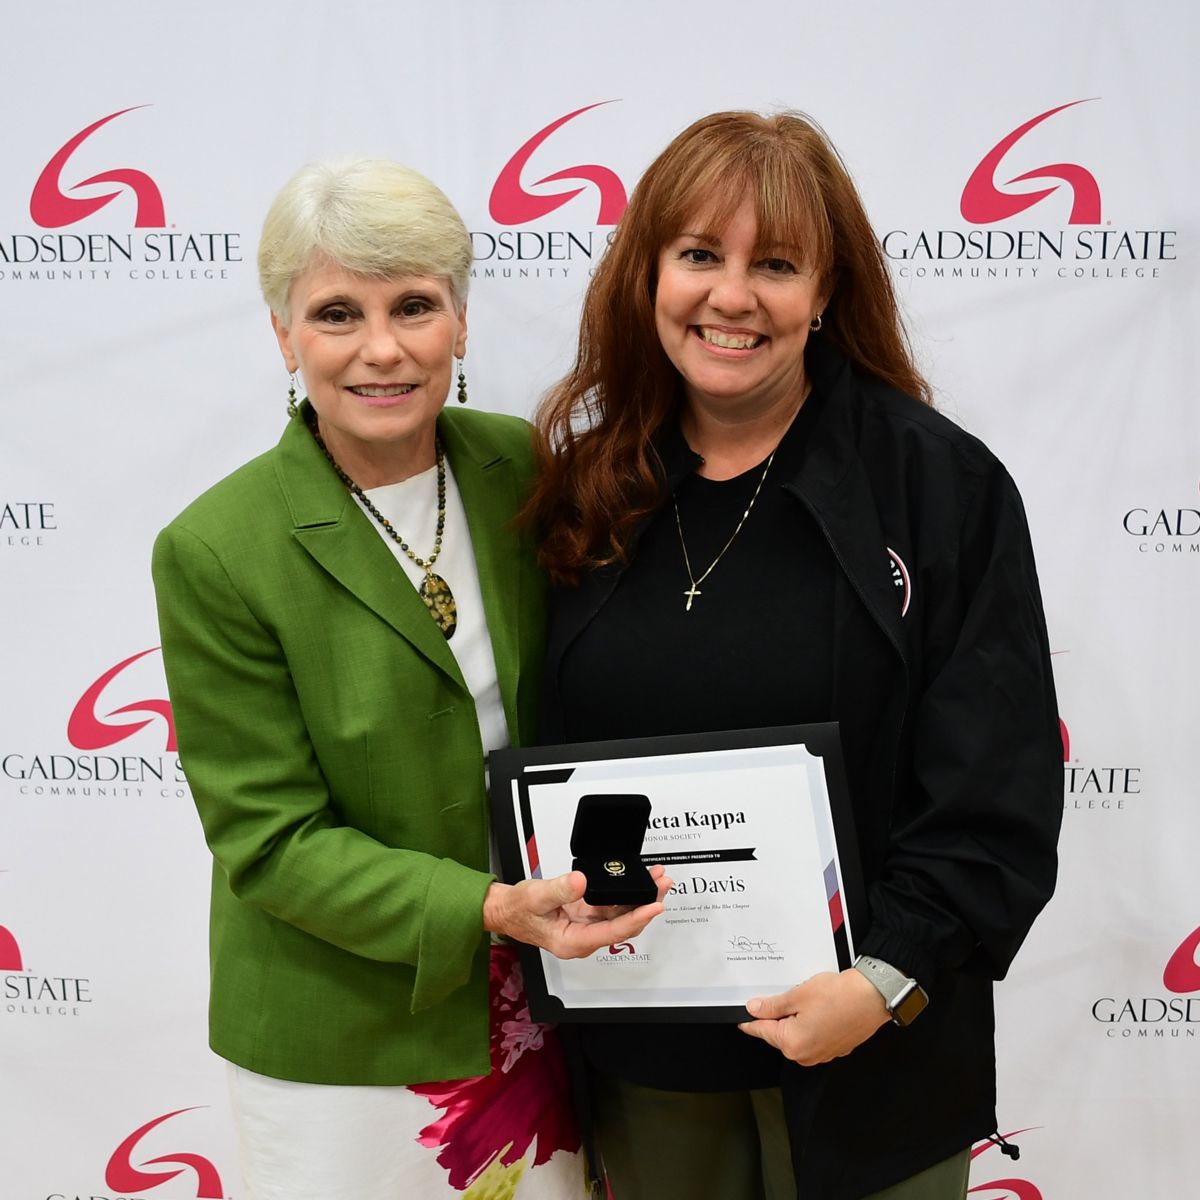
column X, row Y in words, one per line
column 833, row 485
column 679, row 460
column 331, row 527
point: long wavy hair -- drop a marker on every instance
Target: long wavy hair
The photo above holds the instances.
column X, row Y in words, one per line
column 599, row 472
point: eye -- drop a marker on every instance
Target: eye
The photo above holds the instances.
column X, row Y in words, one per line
column 697, row 255
column 415, row 306
column 336, row 314
column 778, row 266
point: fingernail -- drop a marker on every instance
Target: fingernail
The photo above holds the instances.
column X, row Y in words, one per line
column 752, row 1006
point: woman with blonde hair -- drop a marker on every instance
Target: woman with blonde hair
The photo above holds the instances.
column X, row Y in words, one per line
column 349, row 624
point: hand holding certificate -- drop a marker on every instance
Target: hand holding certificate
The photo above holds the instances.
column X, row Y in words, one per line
column 823, row 1018
column 753, row 829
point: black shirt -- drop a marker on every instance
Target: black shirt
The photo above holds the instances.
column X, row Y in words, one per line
column 752, row 652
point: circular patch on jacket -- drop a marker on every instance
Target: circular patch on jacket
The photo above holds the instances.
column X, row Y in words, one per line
column 900, row 579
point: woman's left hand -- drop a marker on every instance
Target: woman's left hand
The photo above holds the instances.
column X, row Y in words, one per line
column 821, row 1019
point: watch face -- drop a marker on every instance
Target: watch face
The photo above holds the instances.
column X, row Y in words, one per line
column 909, row 1004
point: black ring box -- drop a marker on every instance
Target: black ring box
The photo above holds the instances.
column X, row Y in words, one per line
column 606, row 841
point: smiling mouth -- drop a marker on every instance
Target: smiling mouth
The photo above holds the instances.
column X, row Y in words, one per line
column 730, row 341
column 381, row 391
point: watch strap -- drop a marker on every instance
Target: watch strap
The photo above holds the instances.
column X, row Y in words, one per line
column 902, row 995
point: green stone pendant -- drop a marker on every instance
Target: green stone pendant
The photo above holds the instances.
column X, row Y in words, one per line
column 439, row 599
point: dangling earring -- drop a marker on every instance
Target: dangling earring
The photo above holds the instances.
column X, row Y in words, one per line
column 293, row 409
column 462, row 384
column 814, row 326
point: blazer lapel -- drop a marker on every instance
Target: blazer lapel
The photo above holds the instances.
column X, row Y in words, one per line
column 491, row 495
column 338, row 534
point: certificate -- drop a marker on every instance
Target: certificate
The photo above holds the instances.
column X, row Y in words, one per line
column 753, row 827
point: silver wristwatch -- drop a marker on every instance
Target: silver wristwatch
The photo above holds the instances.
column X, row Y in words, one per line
column 905, row 998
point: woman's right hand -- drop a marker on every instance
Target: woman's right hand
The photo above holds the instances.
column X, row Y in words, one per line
column 551, row 914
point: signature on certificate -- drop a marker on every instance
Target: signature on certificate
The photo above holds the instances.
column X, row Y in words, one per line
column 746, row 945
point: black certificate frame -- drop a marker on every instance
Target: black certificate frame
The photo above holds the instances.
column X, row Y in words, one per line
column 510, row 768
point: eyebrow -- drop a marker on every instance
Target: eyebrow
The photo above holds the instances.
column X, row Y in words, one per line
column 766, row 248
column 318, row 302
column 344, row 297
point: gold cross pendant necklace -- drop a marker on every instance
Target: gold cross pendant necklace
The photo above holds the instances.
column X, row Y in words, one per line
column 694, row 591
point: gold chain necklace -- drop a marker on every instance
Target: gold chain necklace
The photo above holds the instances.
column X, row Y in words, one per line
column 694, row 590
column 434, row 590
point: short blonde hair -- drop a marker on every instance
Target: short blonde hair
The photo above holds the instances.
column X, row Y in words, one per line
column 372, row 217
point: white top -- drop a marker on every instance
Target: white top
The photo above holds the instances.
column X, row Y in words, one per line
column 411, row 506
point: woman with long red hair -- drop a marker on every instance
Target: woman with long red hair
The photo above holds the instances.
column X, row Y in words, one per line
column 754, row 518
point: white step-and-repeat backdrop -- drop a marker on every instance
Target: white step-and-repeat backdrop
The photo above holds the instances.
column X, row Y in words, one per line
column 1032, row 171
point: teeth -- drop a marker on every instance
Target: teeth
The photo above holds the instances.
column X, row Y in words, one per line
column 730, row 341
column 401, row 389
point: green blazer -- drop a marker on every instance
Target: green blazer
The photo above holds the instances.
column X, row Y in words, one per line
column 334, row 756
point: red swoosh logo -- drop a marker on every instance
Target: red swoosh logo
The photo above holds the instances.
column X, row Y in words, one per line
column 10, row 952
column 511, row 204
column 51, row 208
column 1182, row 973
column 982, row 202
column 122, row 1176
column 87, row 731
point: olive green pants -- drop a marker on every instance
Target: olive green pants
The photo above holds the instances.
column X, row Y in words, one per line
column 660, row 1145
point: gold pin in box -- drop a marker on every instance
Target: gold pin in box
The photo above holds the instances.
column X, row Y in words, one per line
column 606, row 841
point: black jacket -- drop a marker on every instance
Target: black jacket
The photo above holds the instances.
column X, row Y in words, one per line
column 943, row 691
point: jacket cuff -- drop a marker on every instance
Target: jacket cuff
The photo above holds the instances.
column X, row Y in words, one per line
column 451, row 931
column 900, row 953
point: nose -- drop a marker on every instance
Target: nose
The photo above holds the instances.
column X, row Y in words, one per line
column 381, row 344
column 732, row 292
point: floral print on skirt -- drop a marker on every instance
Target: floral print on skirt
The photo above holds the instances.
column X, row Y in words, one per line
column 511, row 1134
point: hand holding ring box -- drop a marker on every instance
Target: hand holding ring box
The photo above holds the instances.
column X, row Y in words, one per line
column 606, row 841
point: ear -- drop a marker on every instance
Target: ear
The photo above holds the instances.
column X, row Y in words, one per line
column 285, row 344
column 460, row 344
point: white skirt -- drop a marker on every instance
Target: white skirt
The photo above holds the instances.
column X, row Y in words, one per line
column 508, row 1135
